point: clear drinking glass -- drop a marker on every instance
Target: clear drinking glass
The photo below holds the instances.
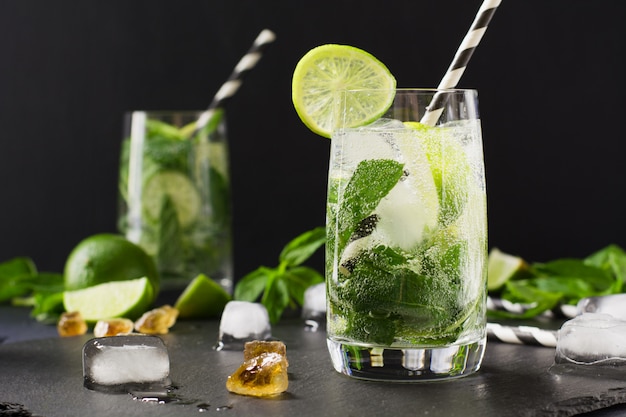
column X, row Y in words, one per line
column 407, row 240
column 175, row 195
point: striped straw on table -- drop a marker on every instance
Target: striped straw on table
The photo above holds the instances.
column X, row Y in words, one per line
column 521, row 335
column 232, row 84
column 461, row 59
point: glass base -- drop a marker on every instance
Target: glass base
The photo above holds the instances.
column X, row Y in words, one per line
column 406, row 365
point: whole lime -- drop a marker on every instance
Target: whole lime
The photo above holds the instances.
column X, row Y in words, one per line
column 103, row 258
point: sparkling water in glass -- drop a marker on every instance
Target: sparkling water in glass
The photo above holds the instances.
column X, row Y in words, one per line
column 175, row 195
column 407, row 241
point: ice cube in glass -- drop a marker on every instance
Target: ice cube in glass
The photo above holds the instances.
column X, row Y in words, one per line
column 120, row 363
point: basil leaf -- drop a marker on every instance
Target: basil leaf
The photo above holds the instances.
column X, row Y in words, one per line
column 302, row 247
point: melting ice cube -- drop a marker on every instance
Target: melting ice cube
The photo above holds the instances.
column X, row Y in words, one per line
column 614, row 305
column 118, row 363
column 314, row 301
column 314, row 307
column 592, row 339
column 243, row 321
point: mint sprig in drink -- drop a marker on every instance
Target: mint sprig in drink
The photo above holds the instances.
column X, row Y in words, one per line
column 175, row 195
column 406, row 219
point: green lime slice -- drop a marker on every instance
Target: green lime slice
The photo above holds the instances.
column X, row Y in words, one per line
column 181, row 192
column 449, row 166
column 203, row 298
column 127, row 299
column 501, row 267
column 328, row 69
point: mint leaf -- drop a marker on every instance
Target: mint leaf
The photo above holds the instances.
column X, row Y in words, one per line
column 284, row 285
column 170, row 249
column 566, row 281
column 16, row 277
column 275, row 297
column 612, row 259
column 372, row 180
column 299, row 279
column 302, row 247
column 252, row 285
column 524, row 292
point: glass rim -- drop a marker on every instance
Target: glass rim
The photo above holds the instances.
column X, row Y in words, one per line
column 412, row 89
column 165, row 111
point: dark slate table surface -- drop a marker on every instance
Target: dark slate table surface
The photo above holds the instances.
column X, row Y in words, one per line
column 43, row 373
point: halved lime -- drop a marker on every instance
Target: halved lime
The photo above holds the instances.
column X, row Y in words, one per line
column 501, row 267
column 203, row 298
column 326, row 70
column 181, row 191
column 127, row 299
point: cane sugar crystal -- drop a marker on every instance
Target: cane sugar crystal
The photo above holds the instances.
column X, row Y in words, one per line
column 157, row 321
column 112, row 327
column 263, row 372
column 71, row 324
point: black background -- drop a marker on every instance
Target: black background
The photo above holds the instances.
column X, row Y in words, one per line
column 552, row 97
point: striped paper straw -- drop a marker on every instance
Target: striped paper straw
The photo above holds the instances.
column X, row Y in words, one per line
column 522, row 335
column 461, row 58
column 232, row 84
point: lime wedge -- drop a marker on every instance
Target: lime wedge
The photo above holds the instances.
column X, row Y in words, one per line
column 179, row 189
column 127, row 299
column 203, row 298
column 501, row 267
column 328, row 69
column 449, row 166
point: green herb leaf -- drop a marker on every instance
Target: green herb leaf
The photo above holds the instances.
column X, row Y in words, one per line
column 524, row 293
column 170, row 246
column 566, row 281
column 284, row 285
column 275, row 297
column 612, row 259
column 252, row 285
column 299, row 279
column 372, row 180
column 16, row 277
column 302, row 247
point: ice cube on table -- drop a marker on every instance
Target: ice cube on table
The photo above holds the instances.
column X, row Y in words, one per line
column 314, row 306
column 241, row 322
column 118, row 363
column 614, row 305
column 592, row 339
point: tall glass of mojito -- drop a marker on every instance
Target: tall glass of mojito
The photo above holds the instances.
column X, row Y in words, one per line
column 407, row 238
column 175, row 195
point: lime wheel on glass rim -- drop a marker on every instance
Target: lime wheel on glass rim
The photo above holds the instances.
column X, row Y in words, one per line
column 324, row 71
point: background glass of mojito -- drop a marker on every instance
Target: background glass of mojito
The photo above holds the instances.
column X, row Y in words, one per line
column 407, row 240
column 175, row 195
